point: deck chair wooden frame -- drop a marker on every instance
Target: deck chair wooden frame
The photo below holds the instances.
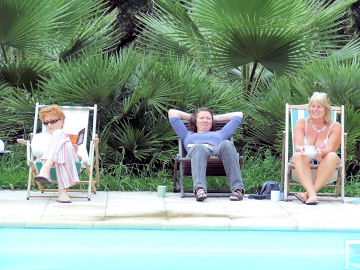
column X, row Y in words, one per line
column 182, row 167
column 288, row 169
column 88, row 164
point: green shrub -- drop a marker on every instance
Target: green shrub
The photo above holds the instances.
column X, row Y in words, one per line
column 13, row 168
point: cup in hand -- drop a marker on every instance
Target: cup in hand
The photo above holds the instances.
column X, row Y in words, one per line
column 309, row 149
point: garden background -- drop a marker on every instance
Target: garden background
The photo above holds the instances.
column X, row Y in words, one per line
column 137, row 59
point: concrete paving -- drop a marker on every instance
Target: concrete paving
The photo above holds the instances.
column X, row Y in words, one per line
column 146, row 210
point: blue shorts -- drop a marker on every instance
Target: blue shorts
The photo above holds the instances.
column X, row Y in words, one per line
column 314, row 161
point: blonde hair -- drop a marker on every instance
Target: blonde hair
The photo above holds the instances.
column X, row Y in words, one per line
column 323, row 100
column 52, row 110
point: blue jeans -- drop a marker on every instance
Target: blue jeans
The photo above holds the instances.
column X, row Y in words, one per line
column 199, row 155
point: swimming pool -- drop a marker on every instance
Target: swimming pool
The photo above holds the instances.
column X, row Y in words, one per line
column 29, row 249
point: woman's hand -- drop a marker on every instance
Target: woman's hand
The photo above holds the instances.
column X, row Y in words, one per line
column 76, row 147
column 319, row 154
column 300, row 149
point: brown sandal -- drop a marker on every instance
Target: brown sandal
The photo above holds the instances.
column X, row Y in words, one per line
column 237, row 195
column 200, row 194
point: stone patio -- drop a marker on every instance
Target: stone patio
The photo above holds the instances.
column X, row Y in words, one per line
column 148, row 211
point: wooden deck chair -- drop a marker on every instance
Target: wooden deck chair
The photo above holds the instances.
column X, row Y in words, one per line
column 215, row 167
column 288, row 174
column 76, row 118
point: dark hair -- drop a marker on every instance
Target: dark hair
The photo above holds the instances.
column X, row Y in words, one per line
column 194, row 115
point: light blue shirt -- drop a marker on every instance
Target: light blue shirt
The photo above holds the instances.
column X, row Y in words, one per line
column 213, row 138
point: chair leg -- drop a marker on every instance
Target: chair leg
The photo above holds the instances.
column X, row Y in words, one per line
column 97, row 167
column 287, row 183
column 182, row 180
column 30, row 178
column 175, row 178
column 338, row 183
column 91, row 184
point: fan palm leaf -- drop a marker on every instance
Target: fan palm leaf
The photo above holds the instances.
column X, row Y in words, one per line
column 279, row 34
column 46, row 28
column 17, row 112
column 24, row 73
column 91, row 79
column 96, row 33
column 27, row 25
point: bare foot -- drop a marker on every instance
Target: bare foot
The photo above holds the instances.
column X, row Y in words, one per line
column 63, row 197
column 312, row 200
column 303, row 196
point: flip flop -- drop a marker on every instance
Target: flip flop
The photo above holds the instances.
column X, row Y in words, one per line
column 59, row 201
column 297, row 196
column 236, row 196
column 200, row 195
column 42, row 180
column 312, row 202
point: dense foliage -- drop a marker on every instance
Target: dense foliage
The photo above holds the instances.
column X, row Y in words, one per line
column 252, row 56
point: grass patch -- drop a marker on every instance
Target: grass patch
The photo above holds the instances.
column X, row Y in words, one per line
column 258, row 167
column 13, row 168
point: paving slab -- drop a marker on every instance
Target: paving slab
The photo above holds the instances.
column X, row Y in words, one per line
column 145, row 210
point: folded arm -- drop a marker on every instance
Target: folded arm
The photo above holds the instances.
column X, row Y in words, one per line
column 227, row 116
column 219, row 117
column 333, row 143
column 177, row 113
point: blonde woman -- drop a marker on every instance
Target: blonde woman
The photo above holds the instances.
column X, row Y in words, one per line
column 323, row 135
column 60, row 153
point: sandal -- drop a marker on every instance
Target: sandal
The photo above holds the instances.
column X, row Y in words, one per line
column 301, row 197
column 312, row 201
column 42, row 180
column 237, row 195
column 200, row 194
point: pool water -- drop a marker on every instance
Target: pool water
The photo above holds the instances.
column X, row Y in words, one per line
column 65, row 249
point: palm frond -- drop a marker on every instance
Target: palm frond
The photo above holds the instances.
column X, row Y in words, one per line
column 350, row 51
column 172, row 30
column 17, row 114
column 91, row 79
column 26, row 25
column 279, row 34
column 97, row 35
column 24, row 73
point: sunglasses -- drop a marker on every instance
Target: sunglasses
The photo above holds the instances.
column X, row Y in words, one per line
column 51, row 122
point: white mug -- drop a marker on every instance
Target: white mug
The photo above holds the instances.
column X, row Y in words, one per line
column 309, row 149
column 275, row 195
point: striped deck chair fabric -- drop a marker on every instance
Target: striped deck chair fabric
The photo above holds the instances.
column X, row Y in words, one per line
column 296, row 112
column 76, row 119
